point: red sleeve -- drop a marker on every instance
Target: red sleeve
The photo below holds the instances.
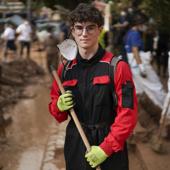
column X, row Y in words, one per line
column 55, row 93
column 126, row 118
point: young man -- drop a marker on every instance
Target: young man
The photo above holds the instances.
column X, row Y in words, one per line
column 107, row 120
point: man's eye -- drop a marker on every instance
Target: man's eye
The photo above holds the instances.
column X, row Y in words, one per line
column 92, row 27
column 78, row 27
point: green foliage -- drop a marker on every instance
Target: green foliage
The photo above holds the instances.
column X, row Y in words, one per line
column 24, row 1
column 65, row 3
column 35, row 4
column 51, row 3
column 159, row 11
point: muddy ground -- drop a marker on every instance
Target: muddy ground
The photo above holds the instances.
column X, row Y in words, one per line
column 32, row 127
column 28, row 134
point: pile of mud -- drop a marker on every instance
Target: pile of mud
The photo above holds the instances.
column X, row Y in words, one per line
column 14, row 76
column 149, row 115
column 19, row 72
column 148, row 111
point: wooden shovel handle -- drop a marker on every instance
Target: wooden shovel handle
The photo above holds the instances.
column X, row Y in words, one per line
column 73, row 114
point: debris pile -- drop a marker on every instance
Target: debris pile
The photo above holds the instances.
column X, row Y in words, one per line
column 150, row 129
column 14, row 76
column 149, row 112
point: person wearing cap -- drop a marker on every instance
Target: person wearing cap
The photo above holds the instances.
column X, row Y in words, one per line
column 24, row 32
column 134, row 45
column 104, row 101
column 9, row 40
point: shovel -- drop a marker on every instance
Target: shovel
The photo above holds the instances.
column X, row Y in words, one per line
column 157, row 143
column 68, row 50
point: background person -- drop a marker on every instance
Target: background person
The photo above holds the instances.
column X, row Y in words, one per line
column 24, row 32
column 9, row 40
column 51, row 50
column 134, row 45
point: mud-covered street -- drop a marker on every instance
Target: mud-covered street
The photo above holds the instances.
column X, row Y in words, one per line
column 28, row 133
column 35, row 140
column 33, row 134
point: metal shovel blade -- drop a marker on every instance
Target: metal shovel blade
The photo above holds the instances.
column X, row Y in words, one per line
column 68, row 49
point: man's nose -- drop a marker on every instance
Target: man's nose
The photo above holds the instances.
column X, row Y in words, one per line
column 84, row 31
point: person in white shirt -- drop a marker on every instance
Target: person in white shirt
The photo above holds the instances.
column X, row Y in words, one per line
column 9, row 40
column 24, row 30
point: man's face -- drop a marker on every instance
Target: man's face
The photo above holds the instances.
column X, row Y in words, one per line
column 86, row 34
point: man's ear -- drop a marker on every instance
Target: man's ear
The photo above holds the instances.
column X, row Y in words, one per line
column 72, row 33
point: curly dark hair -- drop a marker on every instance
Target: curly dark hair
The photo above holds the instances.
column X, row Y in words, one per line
column 86, row 13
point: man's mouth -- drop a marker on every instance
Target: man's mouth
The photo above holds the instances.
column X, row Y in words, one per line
column 84, row 40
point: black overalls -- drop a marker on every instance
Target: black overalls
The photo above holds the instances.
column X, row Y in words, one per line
column 89, row 80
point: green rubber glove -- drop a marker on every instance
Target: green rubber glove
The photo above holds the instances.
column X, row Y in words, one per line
column 65, row 101
column 96, row 156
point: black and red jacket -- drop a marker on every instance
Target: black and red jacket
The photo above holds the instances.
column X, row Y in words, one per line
column 94, row 87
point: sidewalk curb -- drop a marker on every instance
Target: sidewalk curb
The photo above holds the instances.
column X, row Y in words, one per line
column 55, row 142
